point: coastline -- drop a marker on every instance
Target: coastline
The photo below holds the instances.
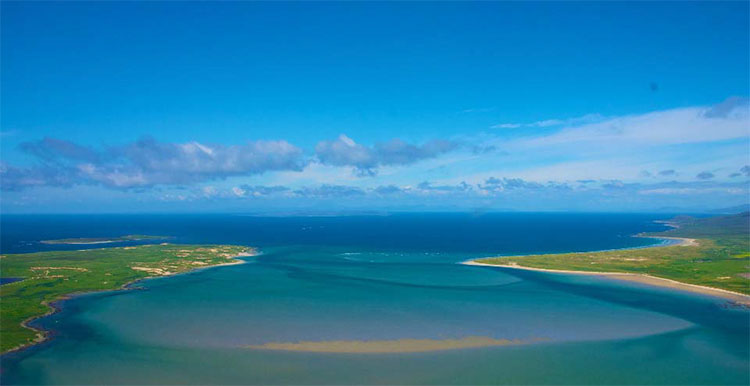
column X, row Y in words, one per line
column 54, row 306
column 642, row 278
column 681, row 241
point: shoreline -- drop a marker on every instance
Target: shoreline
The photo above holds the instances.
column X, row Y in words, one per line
column 669, row 241
column 54, row 307
column 642, row 278
column 681, row 241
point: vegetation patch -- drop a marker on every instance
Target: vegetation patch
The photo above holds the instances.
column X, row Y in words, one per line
column 50, row 276
column 719, row 257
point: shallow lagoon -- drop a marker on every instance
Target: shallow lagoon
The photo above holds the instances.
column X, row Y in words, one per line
column 383, row 278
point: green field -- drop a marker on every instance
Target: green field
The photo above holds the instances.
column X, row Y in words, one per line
column 720, row 260
column 50, row 276
column 98, row 240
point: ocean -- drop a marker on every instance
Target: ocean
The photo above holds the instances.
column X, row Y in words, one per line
column 371, row 278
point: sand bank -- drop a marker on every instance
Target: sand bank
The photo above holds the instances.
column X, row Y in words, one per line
column 389, row 346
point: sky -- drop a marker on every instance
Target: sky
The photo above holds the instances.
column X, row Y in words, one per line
column 261, row 107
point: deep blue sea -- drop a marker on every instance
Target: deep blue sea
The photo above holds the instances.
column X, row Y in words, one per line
column 364, row 278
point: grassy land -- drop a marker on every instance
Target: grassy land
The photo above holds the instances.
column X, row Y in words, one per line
column 720, row 260
column 50, row 276
column 98, row 240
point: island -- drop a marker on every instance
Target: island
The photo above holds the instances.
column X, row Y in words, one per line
column 39, row 279
column 103, row 240
column 709, row 255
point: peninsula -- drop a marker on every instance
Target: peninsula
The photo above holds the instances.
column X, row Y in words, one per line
column 712, row 256
column 46, row 277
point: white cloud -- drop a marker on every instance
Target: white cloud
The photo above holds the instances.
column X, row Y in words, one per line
column 209, row 191
column 551, row 122
column 507, row 126
column 677, row 126
column 239, row 192
column 345, row 152
column 147, row 162
column 691, row 191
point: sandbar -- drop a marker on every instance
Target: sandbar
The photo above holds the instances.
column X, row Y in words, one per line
column 389, row 346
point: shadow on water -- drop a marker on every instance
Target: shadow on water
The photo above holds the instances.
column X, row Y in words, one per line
column 698, row 309
column 327, row 278
column 286, row 261
column 701, row 310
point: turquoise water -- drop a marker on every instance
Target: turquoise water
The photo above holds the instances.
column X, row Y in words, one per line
column 381, row 278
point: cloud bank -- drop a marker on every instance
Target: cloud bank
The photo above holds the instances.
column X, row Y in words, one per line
column 724, row 121
column 343, row 151
column 685, row 152
column 146, row 163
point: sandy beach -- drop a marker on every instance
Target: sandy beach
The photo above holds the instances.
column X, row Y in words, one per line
column 681, row 241
column 636, row 277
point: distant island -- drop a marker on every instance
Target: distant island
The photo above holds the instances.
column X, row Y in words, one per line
column 103, row 240
column 45, row 277
column 712, row 256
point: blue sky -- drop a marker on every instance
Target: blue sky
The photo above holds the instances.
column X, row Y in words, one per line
column 170, row 106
